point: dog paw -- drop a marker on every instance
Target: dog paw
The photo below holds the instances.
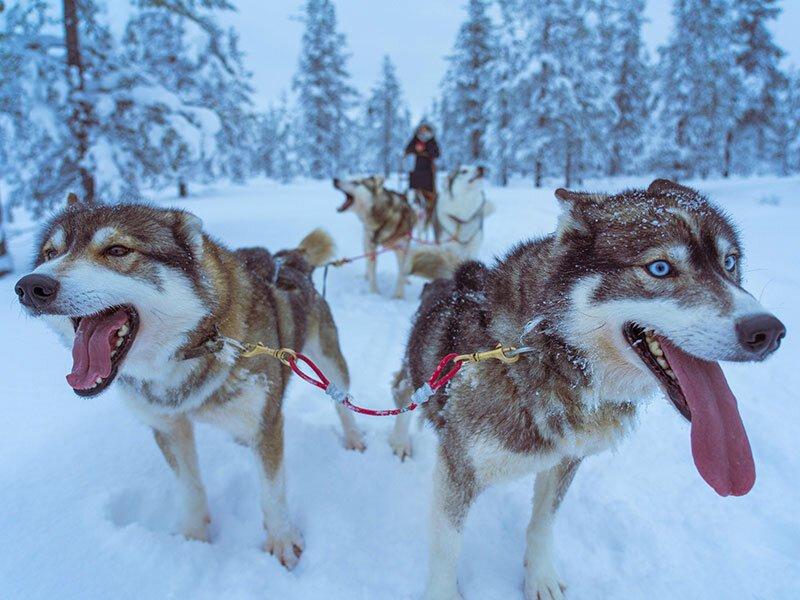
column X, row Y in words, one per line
column 287, row 548
column 401, row 447
column 544, row 586
column 353, row 440
column 197, row 529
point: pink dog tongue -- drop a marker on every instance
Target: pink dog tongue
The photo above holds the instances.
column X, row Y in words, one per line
column 91, row 351
column 720, row 447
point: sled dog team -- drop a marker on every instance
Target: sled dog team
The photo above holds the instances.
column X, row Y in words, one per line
column 633, row 293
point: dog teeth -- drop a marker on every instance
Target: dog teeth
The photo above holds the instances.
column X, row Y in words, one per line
column 99, row 380
column 671, row 374
column 119, row 342
column 655, row 347
column 123, row 331
column 662, row 363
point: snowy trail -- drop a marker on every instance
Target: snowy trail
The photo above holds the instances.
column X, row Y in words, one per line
column 89, row 505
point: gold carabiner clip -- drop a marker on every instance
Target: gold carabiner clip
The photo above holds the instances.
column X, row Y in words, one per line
column 501, row 353
column 282, row 354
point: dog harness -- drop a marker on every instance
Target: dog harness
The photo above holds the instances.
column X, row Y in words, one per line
column 448, row 367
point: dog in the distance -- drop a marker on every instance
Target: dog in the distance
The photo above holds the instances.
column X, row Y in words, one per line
column 634, row 293
column 388, row 221
column 461, row 210
column 143, row 298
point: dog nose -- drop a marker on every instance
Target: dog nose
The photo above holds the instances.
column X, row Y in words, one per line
column 760, row 334
column 36, row 291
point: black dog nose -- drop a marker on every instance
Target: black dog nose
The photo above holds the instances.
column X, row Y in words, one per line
column 36, row 291
column 760, row 334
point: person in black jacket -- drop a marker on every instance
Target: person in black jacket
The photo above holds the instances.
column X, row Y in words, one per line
column 423, row 178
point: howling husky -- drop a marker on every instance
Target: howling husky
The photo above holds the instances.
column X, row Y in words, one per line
column 388, row 221
column 633, row 293
column 143, row 296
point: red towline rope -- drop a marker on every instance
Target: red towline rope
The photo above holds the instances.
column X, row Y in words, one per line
column 420, row 396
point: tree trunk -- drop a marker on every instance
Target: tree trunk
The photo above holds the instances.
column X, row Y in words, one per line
column 726, row 165
column 81, row 118
column 568, row 166
column 183, row 189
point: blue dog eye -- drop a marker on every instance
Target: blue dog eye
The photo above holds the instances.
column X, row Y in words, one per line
column 730, row 262
column 659, row 268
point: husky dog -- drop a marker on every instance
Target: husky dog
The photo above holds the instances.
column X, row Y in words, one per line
column 143, row 297
column 633, row 293
column 460, row 212
column 388, row 221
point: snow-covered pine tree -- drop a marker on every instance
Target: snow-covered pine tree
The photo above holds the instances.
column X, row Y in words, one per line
column 787, row 126
column 499, row 139
column 624, row 57
column 699, row 91
column 276, row 156
column 561, row 91
column 468, row 86
column 386, row 123
column 324, row 94
column 33, row 108
column 758, row 57
column 102, row 116
column 211, row 75
column 175, row 136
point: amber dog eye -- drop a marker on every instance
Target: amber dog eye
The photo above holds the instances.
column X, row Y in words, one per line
column 118, row 251
column 50, row 254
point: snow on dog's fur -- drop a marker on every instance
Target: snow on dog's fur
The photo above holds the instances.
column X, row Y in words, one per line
column 140, row 294
column 461, row 208
column 633, row 294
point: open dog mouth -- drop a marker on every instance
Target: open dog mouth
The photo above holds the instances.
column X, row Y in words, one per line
column 649, row 350
column 700, row 392
column 348, row 202
column 102, row 340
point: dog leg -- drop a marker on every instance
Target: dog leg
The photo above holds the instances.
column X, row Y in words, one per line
column 175, row 437
column 402, row 258
column 372, row 263
column 452, row 496
column 400, row 440
column 541, row 581
column 323, row 345
column 284, row 541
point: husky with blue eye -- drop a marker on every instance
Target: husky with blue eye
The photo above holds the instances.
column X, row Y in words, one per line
column 144, row 297
column 633, row 294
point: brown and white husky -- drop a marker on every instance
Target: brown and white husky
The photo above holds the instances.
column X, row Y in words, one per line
column 141, row 296
column 634, row 293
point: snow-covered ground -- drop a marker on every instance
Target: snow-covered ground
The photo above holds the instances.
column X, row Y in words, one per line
column 89, row 509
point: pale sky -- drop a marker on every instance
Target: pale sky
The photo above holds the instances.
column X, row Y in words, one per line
column 417, row 34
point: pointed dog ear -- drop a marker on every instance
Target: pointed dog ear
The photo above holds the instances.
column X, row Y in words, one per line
column 665, row 186
column 571, row 219
column 189, row 230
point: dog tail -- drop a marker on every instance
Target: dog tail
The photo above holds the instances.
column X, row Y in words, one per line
column 433, row 263
column 317, row 247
